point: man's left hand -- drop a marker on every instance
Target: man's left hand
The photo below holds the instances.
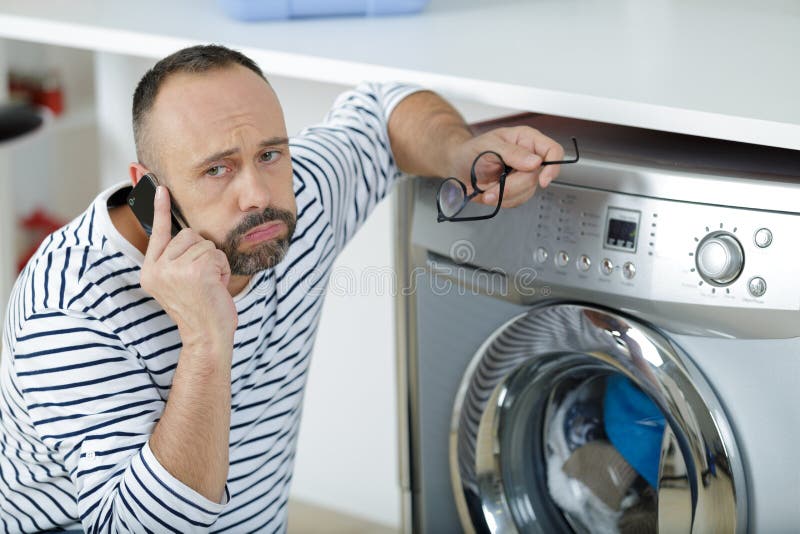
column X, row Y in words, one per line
column 523, row 149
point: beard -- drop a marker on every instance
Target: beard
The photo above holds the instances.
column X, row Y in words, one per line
column 263, row 256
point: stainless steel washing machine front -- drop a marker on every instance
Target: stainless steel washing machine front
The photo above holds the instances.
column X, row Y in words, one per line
column 643, row 303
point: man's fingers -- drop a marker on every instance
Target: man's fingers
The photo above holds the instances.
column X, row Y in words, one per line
column 553, row 152
column 524, row 141
column 520, row 158
column 549, row 174
column 222, row 261
column 524, row 136
column 519, row 188
column 546, row 148
column 185, row 239
column 199, row 249
column 523, row 149
column 162, row 225
column 518, row 200
column 204, row 257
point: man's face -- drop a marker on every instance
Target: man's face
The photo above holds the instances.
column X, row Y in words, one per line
column 220, row 146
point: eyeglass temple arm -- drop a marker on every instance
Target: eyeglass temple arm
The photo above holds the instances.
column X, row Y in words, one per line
column 573, row 160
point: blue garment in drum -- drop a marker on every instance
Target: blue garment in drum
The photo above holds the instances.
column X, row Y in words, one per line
column 634, row 425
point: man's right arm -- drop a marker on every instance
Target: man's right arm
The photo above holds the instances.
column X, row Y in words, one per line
column 136, row 461
column 76, row 388
column 188, row 276
column 191, row 439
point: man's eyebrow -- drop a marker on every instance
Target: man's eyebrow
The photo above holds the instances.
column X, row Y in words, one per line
column 272, row 141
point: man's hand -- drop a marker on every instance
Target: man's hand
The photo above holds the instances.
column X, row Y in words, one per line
column 189, row 276
column 430, row 138
column 522, row 148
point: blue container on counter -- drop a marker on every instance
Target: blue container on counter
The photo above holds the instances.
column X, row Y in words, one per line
column 251, row 10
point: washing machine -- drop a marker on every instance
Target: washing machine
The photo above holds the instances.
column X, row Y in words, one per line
column 619, row 354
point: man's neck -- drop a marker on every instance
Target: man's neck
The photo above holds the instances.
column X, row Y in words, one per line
column 128, row 226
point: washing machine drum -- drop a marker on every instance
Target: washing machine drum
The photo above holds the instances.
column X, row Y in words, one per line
column 573, row 418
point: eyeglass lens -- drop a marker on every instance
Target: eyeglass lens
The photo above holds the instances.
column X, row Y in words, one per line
column 487, row 170
column 451, row 197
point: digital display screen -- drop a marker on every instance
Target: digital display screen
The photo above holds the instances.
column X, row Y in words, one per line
column 621, row 234
column 622, row 228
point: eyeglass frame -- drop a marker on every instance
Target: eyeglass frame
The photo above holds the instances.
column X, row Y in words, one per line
column 477, row 190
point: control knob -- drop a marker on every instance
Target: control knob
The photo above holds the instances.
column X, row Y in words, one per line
column 719, row 258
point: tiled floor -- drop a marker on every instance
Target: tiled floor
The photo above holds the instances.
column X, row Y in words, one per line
column 305, row 518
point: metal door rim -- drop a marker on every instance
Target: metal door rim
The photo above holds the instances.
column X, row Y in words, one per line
column 640, row 352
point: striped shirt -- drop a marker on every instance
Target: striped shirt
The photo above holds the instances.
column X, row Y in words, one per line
column 88, row 356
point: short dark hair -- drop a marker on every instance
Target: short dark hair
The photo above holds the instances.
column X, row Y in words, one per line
column 194, row 59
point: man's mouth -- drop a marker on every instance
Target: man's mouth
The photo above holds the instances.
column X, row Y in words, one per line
column 264, row 232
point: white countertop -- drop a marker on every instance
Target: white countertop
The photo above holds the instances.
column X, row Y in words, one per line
column 724, row 69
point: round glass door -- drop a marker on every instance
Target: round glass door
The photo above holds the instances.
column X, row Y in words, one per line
column 572, row 418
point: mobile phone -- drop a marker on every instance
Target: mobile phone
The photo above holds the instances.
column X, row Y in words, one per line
column 141, row 199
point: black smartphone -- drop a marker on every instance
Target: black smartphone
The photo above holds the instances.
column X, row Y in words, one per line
column 141, row 199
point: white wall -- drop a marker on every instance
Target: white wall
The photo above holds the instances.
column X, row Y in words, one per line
column 347, row 456
column 115, row 79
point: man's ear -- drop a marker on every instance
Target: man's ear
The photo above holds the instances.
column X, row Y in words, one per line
column 137, row 170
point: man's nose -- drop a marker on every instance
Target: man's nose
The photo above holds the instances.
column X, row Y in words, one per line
column 253, row 190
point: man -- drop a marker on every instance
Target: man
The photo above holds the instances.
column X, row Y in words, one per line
column 156, row 383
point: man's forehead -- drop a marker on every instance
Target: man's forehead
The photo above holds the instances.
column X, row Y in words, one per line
column 217, row 91
column 200, row 111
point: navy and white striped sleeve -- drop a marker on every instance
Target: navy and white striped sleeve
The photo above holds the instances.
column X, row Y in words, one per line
column 348, row 159
column 93, row 404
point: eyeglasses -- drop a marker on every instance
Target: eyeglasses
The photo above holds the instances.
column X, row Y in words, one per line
column 452, row 200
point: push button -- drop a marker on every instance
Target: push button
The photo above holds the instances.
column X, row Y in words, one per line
column 584, row 263
column 606, row 266
column 629, row 270
column 540, row 255
column 757, row 286
column 763, row 237
column 562, row 258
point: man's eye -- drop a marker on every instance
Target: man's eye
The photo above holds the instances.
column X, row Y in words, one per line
column 270, row 155
column 216, row 170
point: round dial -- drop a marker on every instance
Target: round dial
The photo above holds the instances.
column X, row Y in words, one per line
column 719, row 258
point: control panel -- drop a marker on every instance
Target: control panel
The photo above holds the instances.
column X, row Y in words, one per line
column 666, row 250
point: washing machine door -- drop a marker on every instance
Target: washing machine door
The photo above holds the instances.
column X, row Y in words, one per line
column 574, row 418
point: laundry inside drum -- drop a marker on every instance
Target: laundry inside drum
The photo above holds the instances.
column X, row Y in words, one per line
column 603, row 448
